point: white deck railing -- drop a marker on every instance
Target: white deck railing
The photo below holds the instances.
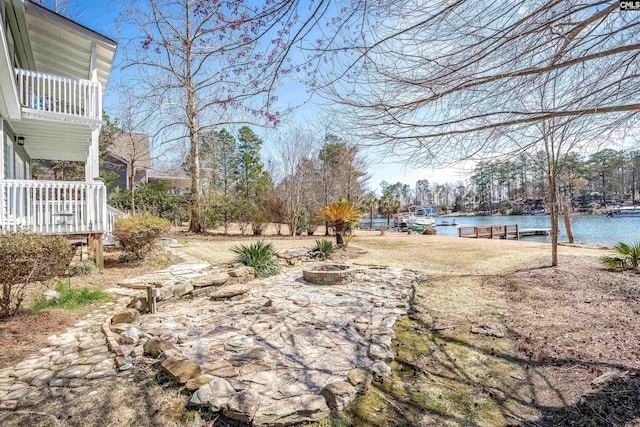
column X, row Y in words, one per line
column 53, row 207
column 52, row 93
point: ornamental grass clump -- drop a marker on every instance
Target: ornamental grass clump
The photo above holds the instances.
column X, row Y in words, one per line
column 138, row 235
column 260, row 255
column 325, row 248
column 626, row 257
column 26, row 258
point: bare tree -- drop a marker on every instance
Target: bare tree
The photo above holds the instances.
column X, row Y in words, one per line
column 444, row 81
column 131, row 145
column 295, row 149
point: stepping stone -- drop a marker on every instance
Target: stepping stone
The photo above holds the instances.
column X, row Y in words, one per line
column 79, row 371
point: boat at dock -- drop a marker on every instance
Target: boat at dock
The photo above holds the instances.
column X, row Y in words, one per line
column 624, row 211
column 524, row 232
column 417, row 218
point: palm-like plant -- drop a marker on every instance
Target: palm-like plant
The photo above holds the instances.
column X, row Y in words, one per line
column 627, row 257
column 340, row 213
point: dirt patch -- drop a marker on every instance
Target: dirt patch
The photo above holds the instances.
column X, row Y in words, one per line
column 23, row 335
column 578, row 327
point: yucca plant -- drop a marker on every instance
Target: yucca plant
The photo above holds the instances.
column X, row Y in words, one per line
column 260, row 255
column 340, row 213
column 325, row 247
column 627, row 257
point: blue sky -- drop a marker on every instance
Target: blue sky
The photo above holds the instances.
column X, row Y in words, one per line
column 102, row 16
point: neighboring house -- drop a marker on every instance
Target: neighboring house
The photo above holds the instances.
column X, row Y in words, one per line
column 176, row 182
column 125, row 149
column 53, row 74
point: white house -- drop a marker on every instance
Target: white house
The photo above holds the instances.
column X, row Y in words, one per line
column 53, row 74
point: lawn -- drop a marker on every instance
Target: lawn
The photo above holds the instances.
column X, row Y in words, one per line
column 564, row 328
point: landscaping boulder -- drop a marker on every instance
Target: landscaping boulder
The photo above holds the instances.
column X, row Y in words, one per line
column 380, row 370
column 129, row 315
column 50, row 294
column 180, row 369
column 215, row 394
column 210, row 280
column 155, row 347
column 182, row 289
column 360, row 378
column 338, row 395
column 229, row 291
column 429, row 231
column 491, row 330
column 138, row 303
column 129, row 336
column 243, row 406
column 197, row 382
column 242, row 272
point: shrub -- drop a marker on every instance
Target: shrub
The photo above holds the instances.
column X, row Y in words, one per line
column 82, row 268
column 69, row 298
column 138, row 235
column 325, row 247
column 627, row 257
column 383, row 229
column 259, row 255
column 25, row 258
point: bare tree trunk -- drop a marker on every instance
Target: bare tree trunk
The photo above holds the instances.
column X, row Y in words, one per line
column 132, row 176
column 553, row 209
column 195, row 224
column 567, row 218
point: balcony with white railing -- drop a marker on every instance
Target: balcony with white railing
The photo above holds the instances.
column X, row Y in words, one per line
column 53, row 207
column 52, row 97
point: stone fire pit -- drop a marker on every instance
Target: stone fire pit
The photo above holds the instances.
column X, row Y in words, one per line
column 328, row 274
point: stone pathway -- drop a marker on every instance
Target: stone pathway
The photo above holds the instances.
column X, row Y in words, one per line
column 284, row 351
column 73, row 363
column 280, row 351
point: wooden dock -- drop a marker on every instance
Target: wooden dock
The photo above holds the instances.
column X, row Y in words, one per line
column 489, row 231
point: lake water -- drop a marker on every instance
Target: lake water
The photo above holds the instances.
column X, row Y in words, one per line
column 597, row 229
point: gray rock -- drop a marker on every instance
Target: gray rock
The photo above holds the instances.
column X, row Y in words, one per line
column 79, row 371
column 130, row 315
column 379, row 351
column 338, row 395
column 137, row 351
column 182, row 289
column 215, row 394
column 380, row 370
column 129, row 336
column 50, row 295
column 492, row 330
column 243, row 406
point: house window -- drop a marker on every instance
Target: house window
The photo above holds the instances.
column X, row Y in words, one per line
column 8, row 158
column 19, row 167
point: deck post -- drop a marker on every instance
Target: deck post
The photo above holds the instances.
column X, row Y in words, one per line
column 97, row 249
column 517, row 233
column 491, row 231
column 459, row 231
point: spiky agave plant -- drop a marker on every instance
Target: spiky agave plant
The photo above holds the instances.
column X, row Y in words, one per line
column 626, row 257
column 260, row 255
column 325, row 247
column 340, row 213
